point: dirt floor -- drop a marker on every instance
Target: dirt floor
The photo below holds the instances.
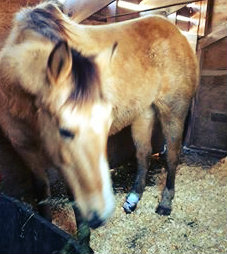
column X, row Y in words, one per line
column 198, row 223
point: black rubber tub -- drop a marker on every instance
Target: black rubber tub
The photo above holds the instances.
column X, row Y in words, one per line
column 23, row 232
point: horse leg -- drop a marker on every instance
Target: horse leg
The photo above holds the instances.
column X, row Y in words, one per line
column 83, row 229
column 141, row 133
column 27, row 145
column 36, row 163
column 172, row 126
column 42, row 193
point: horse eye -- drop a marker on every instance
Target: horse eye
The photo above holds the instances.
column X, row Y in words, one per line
column 66, row 134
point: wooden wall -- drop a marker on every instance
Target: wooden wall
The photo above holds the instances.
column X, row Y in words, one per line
column 219, row 14
column 208, row 128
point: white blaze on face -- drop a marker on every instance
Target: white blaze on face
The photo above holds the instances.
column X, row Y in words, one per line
column 71, row 118
column 100, row 116
column 99, row 119
column 95, row 123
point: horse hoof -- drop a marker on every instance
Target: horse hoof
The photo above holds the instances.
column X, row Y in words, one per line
column 131, row 202
column 128, row 208
column 161, row 210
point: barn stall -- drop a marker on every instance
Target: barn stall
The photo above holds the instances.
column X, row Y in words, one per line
column 197, row 223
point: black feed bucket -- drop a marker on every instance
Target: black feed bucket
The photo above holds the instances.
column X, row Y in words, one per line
column 22, row 231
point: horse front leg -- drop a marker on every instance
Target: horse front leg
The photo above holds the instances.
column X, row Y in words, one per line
column 173, row 131
column 141, row 133
column 42, row 194
column 36, row 162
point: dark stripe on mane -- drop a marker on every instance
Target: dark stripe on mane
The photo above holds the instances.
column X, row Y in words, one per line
column 47, row 21
column 87, row 85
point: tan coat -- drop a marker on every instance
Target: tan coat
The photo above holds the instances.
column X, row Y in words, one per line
column 143, row 65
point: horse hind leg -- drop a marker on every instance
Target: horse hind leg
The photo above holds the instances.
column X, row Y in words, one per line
column 141, row 133
column 172, row 127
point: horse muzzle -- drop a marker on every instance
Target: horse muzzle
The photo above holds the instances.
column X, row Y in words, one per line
column 95, row 221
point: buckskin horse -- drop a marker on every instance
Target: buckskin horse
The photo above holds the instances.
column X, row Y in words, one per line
column 66, row 87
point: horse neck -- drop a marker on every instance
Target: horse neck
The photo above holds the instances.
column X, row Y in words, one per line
column 86, row 38
column 18, row 84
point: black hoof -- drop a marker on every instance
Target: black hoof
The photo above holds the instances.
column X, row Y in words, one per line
column 129, row 208
column 161, row 210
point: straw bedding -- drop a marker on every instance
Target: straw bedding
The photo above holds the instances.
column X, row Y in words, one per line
column 198, row 223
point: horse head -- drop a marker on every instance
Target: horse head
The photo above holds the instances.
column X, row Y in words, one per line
column 75, row 121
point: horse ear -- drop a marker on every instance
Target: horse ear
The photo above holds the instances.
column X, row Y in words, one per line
column 59, row 63
column 114, row 49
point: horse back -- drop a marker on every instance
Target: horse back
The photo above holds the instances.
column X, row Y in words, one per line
column 153, row 62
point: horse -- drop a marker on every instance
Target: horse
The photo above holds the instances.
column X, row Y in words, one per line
column 66, row 87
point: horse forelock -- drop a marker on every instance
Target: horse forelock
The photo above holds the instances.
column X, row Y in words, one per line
column 48, row 20
column 45, row 19
column 85, row 75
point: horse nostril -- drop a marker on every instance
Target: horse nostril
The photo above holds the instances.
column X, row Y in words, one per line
column 95, row 221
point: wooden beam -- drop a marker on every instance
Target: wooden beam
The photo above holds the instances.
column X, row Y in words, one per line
column 213, row 73
column 219, row 33
column 165, row 11
column 204, row 16
column 173, row 9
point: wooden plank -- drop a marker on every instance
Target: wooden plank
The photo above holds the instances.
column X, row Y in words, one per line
column 219, row 13
column 165, row 11
column 215, row 55
column 209, row 118
column 203, row 19
column 173, row 9
column 219, row 33
column 214, row 73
